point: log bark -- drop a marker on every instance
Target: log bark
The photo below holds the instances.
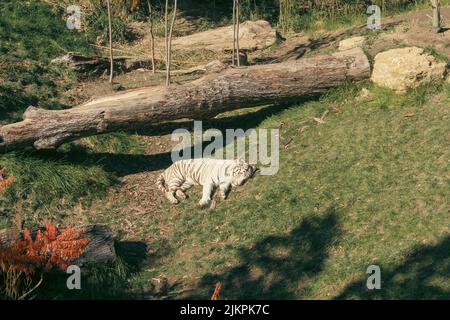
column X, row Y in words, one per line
column 221, row 90
column 253, row 35
column 87, row 67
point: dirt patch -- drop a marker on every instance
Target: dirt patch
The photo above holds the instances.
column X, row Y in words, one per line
column 89, row 90
column 415, row 29
column 134, row 209
column 411, row 29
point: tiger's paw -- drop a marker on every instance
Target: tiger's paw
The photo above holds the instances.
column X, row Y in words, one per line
column 181, row 195
column 171, row 198
column 204, row 202
column 223, row 195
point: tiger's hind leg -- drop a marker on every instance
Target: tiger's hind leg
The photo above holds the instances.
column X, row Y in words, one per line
column 170, row 195
column 180, row 194
column 173, row 188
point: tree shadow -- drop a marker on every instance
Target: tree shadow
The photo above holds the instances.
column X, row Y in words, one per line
column 425, row 274
column 247, row 120
column 279, row 266
column 325, row 41
column 215, row 11
column 100, row 280
column 125, row 164
column 119, row 164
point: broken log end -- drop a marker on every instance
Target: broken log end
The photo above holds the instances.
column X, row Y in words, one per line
column 51, row 143
column 31, row 112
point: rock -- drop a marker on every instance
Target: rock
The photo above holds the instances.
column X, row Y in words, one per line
column 355, row 42
column 215, row 66
column 253, row 35
column 403, row 68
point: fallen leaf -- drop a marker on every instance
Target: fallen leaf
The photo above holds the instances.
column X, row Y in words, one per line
column 302, row 129
column 288, row 143
column 333, row 107
column 319, row 120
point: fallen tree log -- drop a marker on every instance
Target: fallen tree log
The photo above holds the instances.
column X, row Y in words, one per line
column 253, row 35
column 222, row 89
column 86, row 66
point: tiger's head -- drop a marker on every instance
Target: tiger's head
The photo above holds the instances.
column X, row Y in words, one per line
column 242, row 172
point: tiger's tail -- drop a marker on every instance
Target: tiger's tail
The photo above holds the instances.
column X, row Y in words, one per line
column 161, row 183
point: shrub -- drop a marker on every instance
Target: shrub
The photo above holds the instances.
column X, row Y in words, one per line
column 52, row 248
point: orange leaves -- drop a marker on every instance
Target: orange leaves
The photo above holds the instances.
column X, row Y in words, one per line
column 217, row 290
column 5, row 182
column 54, row 247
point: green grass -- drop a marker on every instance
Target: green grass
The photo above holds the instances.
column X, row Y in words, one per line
column 438, row 55
column 97, row 24
column 32, row 34
column 49, row 183
column 370, row 186
column 325, row 15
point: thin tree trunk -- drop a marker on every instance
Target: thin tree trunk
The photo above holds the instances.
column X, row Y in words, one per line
column 152, row 36
column 233, row 56
column 217, row 92
column 436, row 15
column 169, row 52
column 237, row 34
column 110, row 43
column 166, row 38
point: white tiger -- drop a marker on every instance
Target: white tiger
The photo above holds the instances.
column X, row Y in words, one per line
column 209, row 173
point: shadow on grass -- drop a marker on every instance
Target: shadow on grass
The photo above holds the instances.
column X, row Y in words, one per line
column 119, row 164
column 328, row 40
column 108, row 280
column 244, row 121
column 279, row 266
column 425, row 274
column 125, row 164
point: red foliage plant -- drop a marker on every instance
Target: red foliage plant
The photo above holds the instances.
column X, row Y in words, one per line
column 5, row 182
column 54, row 247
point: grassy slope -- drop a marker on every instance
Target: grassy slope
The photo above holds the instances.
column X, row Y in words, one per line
column 32, row 34
column 368, row 187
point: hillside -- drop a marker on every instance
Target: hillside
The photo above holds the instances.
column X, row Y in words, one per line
column 367, row 184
